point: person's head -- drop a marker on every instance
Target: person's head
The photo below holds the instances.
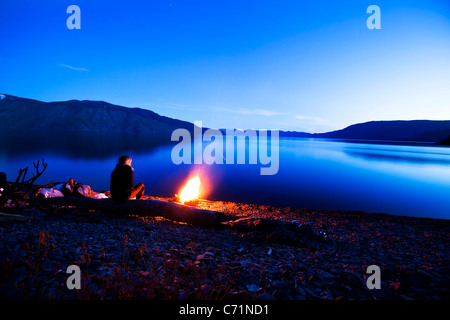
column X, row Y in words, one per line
column 125, row 160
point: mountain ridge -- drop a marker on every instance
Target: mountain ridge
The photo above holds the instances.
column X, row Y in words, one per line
column 386, row 130
column 83, row 115
column 104, row 117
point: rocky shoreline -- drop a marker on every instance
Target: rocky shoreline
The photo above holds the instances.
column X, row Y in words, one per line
column 130, row 257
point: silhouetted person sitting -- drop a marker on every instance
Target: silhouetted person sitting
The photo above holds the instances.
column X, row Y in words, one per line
column 122, row 181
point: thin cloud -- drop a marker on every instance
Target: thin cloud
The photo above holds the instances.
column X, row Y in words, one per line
column 73, row 68
column 178, row 106
column 308, row 118
column 260, row 112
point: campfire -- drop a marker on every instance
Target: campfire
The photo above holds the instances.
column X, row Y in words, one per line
column 189, row 193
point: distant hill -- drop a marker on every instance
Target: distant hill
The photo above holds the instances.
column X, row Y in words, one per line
column 413, row 130
column 397, row 130
column 87, row 116
column 105, row 118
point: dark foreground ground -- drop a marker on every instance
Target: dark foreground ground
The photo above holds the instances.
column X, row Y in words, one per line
column 152, row 258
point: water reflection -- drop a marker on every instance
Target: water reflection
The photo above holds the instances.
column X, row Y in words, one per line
column 78, row 145
column 411, row 154
column 408, row 180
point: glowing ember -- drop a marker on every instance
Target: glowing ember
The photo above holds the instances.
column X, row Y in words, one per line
column 190, row 190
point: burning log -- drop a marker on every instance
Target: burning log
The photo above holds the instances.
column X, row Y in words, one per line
column 190, row 192
column 151, row 207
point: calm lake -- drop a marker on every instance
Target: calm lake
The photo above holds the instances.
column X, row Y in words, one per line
column 410, row 180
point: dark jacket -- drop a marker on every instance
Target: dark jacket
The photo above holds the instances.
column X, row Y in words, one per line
column 122, row 182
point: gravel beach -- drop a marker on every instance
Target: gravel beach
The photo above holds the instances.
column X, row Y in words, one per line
column 131, row 257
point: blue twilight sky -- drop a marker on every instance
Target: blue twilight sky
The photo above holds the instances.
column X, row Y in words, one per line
column 293, row 65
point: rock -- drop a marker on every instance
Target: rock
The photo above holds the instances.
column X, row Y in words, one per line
column 253, row 287
column 9, row 290
column 206, row 255
column 326, row 275
column 279, row 284
column 415, row 280
column 395, row 285
column 246, row 263
column 312, row 293
column 265, row 296
column 299, row 288
column 427, row 277
column 444, row 283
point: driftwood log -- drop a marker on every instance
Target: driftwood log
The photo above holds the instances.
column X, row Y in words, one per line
column 151, row 207
column 291, row 233
column 6, row 217
column 273, row 228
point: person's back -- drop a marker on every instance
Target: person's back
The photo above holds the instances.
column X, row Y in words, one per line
column 122, row 181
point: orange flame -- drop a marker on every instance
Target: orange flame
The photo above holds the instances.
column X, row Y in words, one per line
column 191, row 190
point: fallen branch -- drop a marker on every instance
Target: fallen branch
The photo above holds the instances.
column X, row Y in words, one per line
column 151, row 207
column 6, row 217
column 18, row 191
